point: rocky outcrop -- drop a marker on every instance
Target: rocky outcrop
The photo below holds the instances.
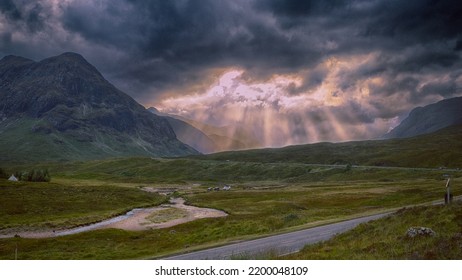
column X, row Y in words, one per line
column 419, row 231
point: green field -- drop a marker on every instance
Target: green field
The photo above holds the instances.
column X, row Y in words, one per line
column 266, row 198
column 35, row 206
column 273, row 191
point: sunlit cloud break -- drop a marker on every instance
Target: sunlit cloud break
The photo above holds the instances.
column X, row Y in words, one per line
column 279, row 111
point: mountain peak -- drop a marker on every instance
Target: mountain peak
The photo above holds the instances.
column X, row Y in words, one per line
column 67, row 78
column 71, row 56
column 14, row 61
column 67, row 57
column 14, row 58
column 433, row 117
column 70, row 64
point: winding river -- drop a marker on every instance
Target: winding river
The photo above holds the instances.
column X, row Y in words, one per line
column 133, row 220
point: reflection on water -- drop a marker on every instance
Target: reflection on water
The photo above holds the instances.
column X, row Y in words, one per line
column 99, row 224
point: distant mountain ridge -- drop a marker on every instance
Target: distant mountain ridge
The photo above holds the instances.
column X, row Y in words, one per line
column 442, row 148
column 208, row 138
column 62, row 108
column 188, row 134
column 428, row 119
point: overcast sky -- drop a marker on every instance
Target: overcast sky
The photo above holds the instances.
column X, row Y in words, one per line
column 294, row 71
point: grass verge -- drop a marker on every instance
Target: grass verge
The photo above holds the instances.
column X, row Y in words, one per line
column 387, row 239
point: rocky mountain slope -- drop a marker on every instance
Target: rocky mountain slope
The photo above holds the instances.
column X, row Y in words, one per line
column 433, row 117
column 62, row 108
column 207, row 138
column 188, row 134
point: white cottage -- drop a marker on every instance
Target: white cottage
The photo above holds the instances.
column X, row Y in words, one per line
column 13, row 178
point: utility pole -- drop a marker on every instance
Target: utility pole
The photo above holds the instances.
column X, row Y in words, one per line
column 448, row 191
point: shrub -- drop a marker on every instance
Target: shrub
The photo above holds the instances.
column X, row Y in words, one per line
column 34, row 175
column 3, row 174
column 348, row 167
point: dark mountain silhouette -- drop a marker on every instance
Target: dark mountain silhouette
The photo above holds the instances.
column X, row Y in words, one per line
column 208, row 138
column 428, row 119
column 188, row 134
column 62, row 108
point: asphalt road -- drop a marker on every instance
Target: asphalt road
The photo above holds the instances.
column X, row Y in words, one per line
column 387, row 167
column 282, row 243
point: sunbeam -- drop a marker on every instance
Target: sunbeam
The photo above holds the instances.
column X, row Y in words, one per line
column 269, row 113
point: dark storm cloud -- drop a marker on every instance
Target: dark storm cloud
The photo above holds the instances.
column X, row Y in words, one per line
column 113, row 24
column 183, row 38
column 153, row 47
column 417, row 21
column 445, row 89
column 9, row 9
column 458, row 46
column 297, row 8
column 30, row 15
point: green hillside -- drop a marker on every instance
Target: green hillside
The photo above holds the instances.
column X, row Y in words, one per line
column 21, row 142
column 364, row 160
column 438, row 149
column 182, row 171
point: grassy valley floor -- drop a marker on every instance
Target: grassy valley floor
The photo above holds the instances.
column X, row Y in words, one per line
column 264, row 199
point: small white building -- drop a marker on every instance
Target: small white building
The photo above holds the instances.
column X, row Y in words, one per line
column 13, row 178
